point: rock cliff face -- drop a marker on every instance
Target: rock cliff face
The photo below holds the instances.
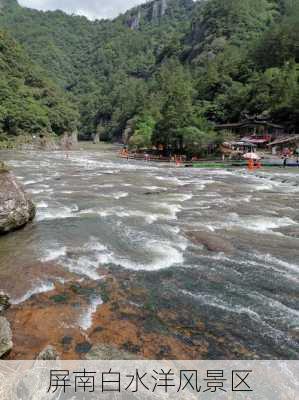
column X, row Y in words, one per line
column 154, row 11
column 16, row 208
column 150, row 12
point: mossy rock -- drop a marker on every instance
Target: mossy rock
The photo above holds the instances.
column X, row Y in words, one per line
column 60, row 298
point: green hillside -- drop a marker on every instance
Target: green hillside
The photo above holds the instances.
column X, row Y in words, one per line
column 29, row 102
column 168, row 69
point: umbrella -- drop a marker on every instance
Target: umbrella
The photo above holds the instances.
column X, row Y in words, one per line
column 252, row 156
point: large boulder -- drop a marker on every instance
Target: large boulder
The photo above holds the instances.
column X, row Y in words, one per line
column 16, row 208
column 5, row 337
column 210, row 241
column 48, row 354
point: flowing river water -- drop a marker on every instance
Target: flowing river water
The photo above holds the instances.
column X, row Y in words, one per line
column 99, row 215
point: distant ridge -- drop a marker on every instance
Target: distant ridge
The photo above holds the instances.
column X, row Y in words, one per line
column 128, row 72
column 8, row 3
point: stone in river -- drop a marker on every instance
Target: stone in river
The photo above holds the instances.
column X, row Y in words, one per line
column 48, row 354
column 16, row 208
column 83, row 348
column 5, row 337
column 108, row 352
column 4, row 302
column 211, row 241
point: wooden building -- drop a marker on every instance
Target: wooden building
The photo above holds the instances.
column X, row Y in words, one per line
column 254, row 131
column 285, row 145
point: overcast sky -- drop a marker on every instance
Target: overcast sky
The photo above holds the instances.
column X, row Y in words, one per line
column 90, row 8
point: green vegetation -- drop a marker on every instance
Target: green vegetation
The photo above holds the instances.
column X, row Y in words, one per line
column 250, row 65
column 29, row 103
column 143, row 132
column 167, row 70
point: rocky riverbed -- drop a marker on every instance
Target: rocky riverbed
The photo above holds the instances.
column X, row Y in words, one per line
column 138, row 260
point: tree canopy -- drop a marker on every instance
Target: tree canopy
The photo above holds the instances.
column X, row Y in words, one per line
column 29, row 103
column 170, row 70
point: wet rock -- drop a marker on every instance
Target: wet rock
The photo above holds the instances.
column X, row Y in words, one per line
column 82, row 348
column 152, row 193
column 211, row 241
column 48, row 354
column 4, row 302
column 16, row 208
column 127, row 329
column 5, row 337
column 107, row 352
column 67, row 340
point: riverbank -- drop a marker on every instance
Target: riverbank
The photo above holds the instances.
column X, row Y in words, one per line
column 152, row 261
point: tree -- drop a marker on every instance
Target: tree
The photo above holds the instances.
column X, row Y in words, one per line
column 177, row 110
column 143, row 133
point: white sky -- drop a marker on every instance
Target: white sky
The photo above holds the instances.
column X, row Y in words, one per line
column 90, row 8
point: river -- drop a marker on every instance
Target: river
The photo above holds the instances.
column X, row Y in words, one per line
column 100, row 216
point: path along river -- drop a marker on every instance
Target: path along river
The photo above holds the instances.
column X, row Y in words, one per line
column 99, row 216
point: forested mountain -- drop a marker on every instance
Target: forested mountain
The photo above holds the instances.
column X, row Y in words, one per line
column 166, row 69
column 29, row 102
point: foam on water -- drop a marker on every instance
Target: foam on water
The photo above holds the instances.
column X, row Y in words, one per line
column 258, row 261
column 30, row 182
column 82, row 261
column 107, row 166
column 148, row 217
column 263, row 224
column 86, row 320
column 269, row 259
column 217, row 302
column 154, row 188
column 172, row 179
column 47, row 214
column 53, row 254
column 42, row 287
column 279, row 310
column 116, row 196
column 164, row 256
column 35, row 191
column 234, row 308
column 85, row 265
column 42, row 204
column 182, row 197
column 170, row 212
